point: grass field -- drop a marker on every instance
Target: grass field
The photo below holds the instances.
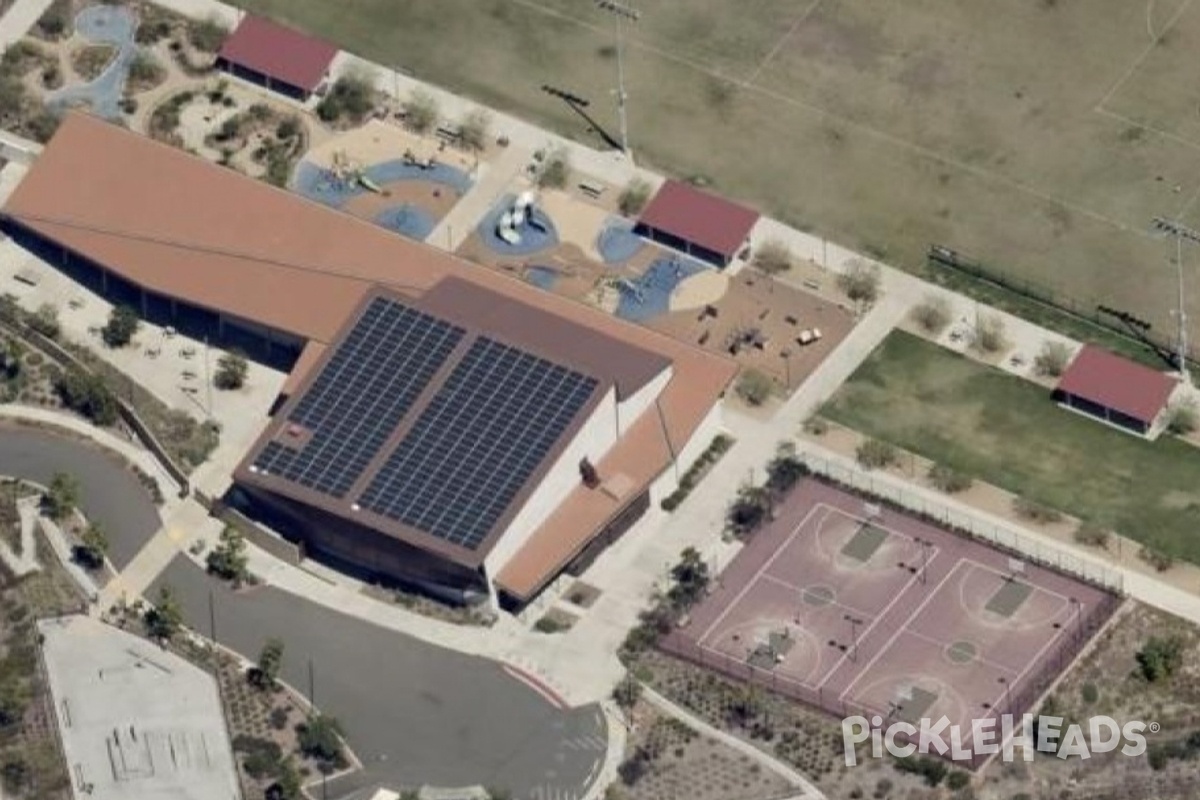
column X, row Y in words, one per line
column 1007, row 431
column 1037, row 135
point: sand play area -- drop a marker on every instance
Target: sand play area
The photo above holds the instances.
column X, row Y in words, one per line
column 377, row 142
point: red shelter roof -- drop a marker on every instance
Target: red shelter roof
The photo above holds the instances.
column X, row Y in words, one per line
column 1117, row 383
column 280, row 53
column 711, row 222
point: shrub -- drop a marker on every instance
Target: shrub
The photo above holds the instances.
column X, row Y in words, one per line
column 1091, row 535
column 93, row 547
column 949, row 480
column 420, row 111
column 1182, row 418
column 145, row 72
column 754, row 387
column 42, row 125
column 1161, row 561
column 860, row 282
column 122, row 324
column 261, row 756
column 474, row 129
column 288, row 128
column 750, row 509
column 989, row 333
column 232, row 369
column 320, row 738
column 91, row 60
column 45, row 321
column 773, row 257
column 634, row 197
column 933, row 770
column 932, row 314
column 1160, row 657
column 549, row 625
column 62, row 496
column 207, row 34
column 816, row 426
column 876, row 454
column 228, row 560
column 55, row 23
column 1052, row 359
column 556, row 171
column 785, row 469
column 627, row 692
column 86, row 394
column 352, row 96
column 958, row 780
column 1090, row 693
column 279, row 717
column 1035, row 511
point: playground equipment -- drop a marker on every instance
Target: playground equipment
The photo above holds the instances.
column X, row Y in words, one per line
column 516, row 219
column 346, row 173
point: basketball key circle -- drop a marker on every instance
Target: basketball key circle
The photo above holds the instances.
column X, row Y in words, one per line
column 818, row 596
column 961, row 652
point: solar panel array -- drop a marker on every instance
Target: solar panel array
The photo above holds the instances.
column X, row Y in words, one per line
column 359, row 398
column 477, row 442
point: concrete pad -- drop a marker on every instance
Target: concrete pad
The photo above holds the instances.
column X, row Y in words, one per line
column 578, row 223
column 137, row 722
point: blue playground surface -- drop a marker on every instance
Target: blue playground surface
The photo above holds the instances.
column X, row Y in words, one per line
column 542, row 277
column 617, row 242
column 319, row 184
column 102, row 24
column 407, row 220
column 649, row 295
column 537, row 234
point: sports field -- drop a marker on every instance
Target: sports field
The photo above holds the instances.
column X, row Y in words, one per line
column 862, row 610
column 1040, row 136
column 1007, row 431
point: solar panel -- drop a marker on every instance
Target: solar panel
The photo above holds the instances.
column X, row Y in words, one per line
column 359, row 398
column 477, row 443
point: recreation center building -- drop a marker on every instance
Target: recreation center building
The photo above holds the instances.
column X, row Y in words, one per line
column 443, row 425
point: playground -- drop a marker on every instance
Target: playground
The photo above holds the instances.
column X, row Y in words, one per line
column 388, row 175
column 859, row 609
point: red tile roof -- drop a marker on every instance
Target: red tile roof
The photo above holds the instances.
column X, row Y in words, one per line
column 1117, row 383
column 278, row 52
column 699, row 217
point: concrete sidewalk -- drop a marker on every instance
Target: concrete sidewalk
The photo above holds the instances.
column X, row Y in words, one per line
column 19, row 19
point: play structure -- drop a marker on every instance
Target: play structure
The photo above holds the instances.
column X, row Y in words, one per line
column 517, row 225
column 344, row 172
column 512, row 224
column 649, row 295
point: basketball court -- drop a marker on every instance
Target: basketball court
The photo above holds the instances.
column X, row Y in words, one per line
column 861, row 609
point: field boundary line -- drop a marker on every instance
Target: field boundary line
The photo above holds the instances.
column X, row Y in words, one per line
column 903, row 627
column 1137, row 62
column 795, row 26
column 861, row 127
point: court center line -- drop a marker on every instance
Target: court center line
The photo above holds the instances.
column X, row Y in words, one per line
column 888, row 644
column 800, row 590
column 883, row 613
column 750, row 584
column 947, row 645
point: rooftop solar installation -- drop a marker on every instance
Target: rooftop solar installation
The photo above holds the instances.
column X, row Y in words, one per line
column 477, row 443
column 360, row 396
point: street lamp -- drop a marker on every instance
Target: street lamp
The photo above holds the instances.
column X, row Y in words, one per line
column 1180, row 232
column 622, row 12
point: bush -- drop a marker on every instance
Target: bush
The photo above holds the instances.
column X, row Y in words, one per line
column 860, row 282
column 1035, row 511
column 933, row 770
column 145, row 71
column 45, row 321
column 55, row 23
column 207, row 34
column 62, row 496
column 1161, row 561
column 474, row 129
column 750, row 509
column 816, row 426
column 556, row 171
column 754, row 387
column 634, row 197
column 989, row 333
column 42, row 125
column 1091, row 535
column 232, row 369
column 785, row 469
column 261, row 756
column 549, row 625
column 627, row 692
column 1160, row 657
column 1090, row 693
column 420, row 111
column 122, row 324
column 352, row 96
column 86, row 394
column 1052, row 359
column 958, row 780
column 320, row 739
column 289, row 127
column 949, row 480
column 279, row 717
column 1181, row 418
column 876, row 454
column 932, row 314
column 228, row 560
column 93, row 549
column 773, row 257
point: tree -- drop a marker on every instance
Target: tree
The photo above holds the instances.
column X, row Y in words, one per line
column 164, row 619
column 1052, row 359
column 948, row 479
column 265, row 674
column 207, row 34
column 474, row 129
column 1160, row 657
column 754, row 387
column 61, row 497
column 352, row 96
column 86, row 394
column 93, row 547
column 989, row 333
column 14, row 696
column 773, row 257
column 288, row 784
column 320, row 738
column 690, row 579
column 228, row 560
column 122, row 324
column 45, row 321
column 785, row 469
column 876, row 454
column 932, row 314
column 232, row 369
column 420, row 111
column 556, row 170
column 627, row 692
column 860, row 282
column 751, row 508
column 634, row 197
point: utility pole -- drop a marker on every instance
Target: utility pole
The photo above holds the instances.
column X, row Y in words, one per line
column 623, row 12
column 1180, row 232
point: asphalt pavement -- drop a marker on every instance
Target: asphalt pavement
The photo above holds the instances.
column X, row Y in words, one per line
column 416, row 714
column 110, row 494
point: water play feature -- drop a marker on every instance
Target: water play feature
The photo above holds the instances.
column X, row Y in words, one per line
column 102, row 24
column 649, row 295
column 517, row 226
column 617, row 242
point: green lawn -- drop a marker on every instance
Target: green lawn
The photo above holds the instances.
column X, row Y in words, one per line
column 1007, row 431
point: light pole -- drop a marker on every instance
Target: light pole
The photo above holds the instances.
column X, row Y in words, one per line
column 623, row 12
column 1180, row 232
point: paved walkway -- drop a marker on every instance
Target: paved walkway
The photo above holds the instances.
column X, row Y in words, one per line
column 495, row 180
column 26, row 561
column 19, row 19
